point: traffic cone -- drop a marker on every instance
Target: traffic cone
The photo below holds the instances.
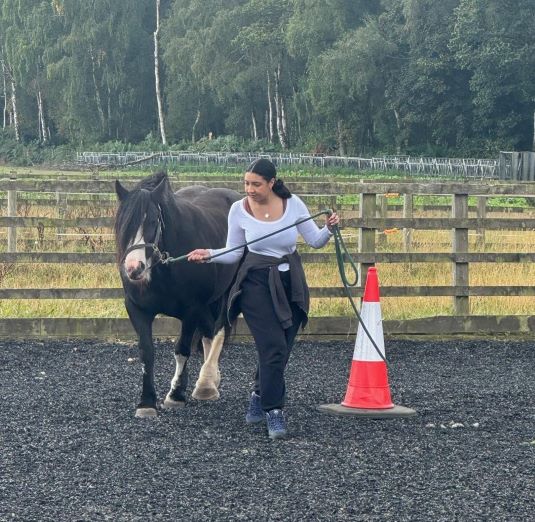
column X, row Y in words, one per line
column 368, row 391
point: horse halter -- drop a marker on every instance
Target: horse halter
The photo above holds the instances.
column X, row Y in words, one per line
column 156, row 252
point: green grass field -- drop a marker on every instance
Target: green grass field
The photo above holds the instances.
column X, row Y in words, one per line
column 104, row 276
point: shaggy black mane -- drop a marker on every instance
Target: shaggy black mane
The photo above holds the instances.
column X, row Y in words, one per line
column 132, row 210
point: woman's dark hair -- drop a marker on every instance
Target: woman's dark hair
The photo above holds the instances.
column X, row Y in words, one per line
column 265, row 168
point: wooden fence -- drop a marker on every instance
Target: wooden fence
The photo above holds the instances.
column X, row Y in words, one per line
column 372, row 217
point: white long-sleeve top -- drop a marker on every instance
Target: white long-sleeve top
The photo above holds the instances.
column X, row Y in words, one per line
column 243, row 227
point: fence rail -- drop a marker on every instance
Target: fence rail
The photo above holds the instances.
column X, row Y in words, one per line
column 372, row 219
column 319, row 188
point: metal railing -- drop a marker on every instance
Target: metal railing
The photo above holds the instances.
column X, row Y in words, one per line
column 464, row 168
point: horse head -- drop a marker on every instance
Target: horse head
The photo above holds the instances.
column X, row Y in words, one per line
column 139, row 226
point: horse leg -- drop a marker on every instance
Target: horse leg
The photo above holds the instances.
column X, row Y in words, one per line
column 176, row 396
column 143, row 325
column 206, row 387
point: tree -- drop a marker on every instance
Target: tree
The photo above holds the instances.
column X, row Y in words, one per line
column 253, row 77
column 161, row 122
column 493, row 41
column 347, row 86
column 192, row 108
column 27, row 30
column 101, row 65
column 427, row 91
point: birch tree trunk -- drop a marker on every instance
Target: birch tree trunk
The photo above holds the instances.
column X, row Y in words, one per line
column 279, row 111
column 4, row 108
column 255, row 133
column 13, row 115
column 297, row 113
column 14, row 107
column 270, row 105
column 98, row 98
column 157, row 75
column 41, row 117
column 398, row 126
column 197, row 119
column 109, row 104
column 533, row 144
column 284, row 123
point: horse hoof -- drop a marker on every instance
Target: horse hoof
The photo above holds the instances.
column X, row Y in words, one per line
column 146, row 413
column 170, row 404
column 205, row 394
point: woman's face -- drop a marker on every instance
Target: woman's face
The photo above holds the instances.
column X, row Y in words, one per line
column 256, row 187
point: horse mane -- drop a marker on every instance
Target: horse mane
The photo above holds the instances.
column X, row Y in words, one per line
column 151, row 182
column 132, row 211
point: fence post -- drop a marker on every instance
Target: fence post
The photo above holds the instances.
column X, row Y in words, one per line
column 61, row 202
column 407, row 214
column 516, row 160
column 461, row 303
column 481, row 214
column 12, row 212
column 382, row 211
column 367, row 208
column 333, row 203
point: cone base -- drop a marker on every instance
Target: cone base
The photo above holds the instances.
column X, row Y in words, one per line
column 389, row 413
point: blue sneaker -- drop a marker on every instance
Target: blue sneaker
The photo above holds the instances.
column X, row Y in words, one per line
column 276, row 424
column 255, row 413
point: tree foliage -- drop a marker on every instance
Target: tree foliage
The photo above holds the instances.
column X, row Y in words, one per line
column 405, row 76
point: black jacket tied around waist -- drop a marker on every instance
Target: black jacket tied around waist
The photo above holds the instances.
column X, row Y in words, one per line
column 299, row 294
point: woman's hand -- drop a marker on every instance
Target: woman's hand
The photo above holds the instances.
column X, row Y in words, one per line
column 332, row 220
column 199, row 255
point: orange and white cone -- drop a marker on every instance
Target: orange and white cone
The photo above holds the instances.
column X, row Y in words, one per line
column 368, row 379
column 368, row 391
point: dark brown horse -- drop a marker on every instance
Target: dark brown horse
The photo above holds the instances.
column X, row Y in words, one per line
column 152, row 219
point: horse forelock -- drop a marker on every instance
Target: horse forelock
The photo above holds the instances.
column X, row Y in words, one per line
column 130, row 218
column 151, row 182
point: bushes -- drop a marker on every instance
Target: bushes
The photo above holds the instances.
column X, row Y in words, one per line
column 26, row 154
column 33, row 153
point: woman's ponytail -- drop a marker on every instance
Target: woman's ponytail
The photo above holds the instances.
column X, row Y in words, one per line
column 265, row 168
column 281, row 189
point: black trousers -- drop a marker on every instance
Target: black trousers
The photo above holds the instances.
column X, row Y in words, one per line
column 273, row 343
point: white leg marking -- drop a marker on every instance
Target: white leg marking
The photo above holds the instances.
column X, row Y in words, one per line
column 180, row 363
column 169, row 402
column 206, row 387
column 206, row 346
column 215, row 348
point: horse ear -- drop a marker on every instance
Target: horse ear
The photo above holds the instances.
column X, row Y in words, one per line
column 158, row 193
column 122, row 193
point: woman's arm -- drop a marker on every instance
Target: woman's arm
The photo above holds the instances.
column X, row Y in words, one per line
column 313, row 235
column 235, row 237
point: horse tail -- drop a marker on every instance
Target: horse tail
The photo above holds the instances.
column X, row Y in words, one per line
column 221, row 318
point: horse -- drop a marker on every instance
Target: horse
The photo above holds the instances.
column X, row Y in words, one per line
column 151, row 224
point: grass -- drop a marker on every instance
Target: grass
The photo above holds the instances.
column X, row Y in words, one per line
column 105, row 276
column 481, row 274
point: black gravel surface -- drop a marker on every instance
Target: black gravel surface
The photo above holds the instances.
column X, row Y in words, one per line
column 72, row 450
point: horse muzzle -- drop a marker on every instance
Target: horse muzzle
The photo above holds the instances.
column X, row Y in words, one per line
column 135, row 271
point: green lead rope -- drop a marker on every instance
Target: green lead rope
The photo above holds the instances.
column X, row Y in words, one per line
column 298, row 222
column 342, row 254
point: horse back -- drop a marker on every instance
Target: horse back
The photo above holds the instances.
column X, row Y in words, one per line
column 212, row 202
column 207, row 217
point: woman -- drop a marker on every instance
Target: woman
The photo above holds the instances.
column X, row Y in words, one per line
column 270, row 288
